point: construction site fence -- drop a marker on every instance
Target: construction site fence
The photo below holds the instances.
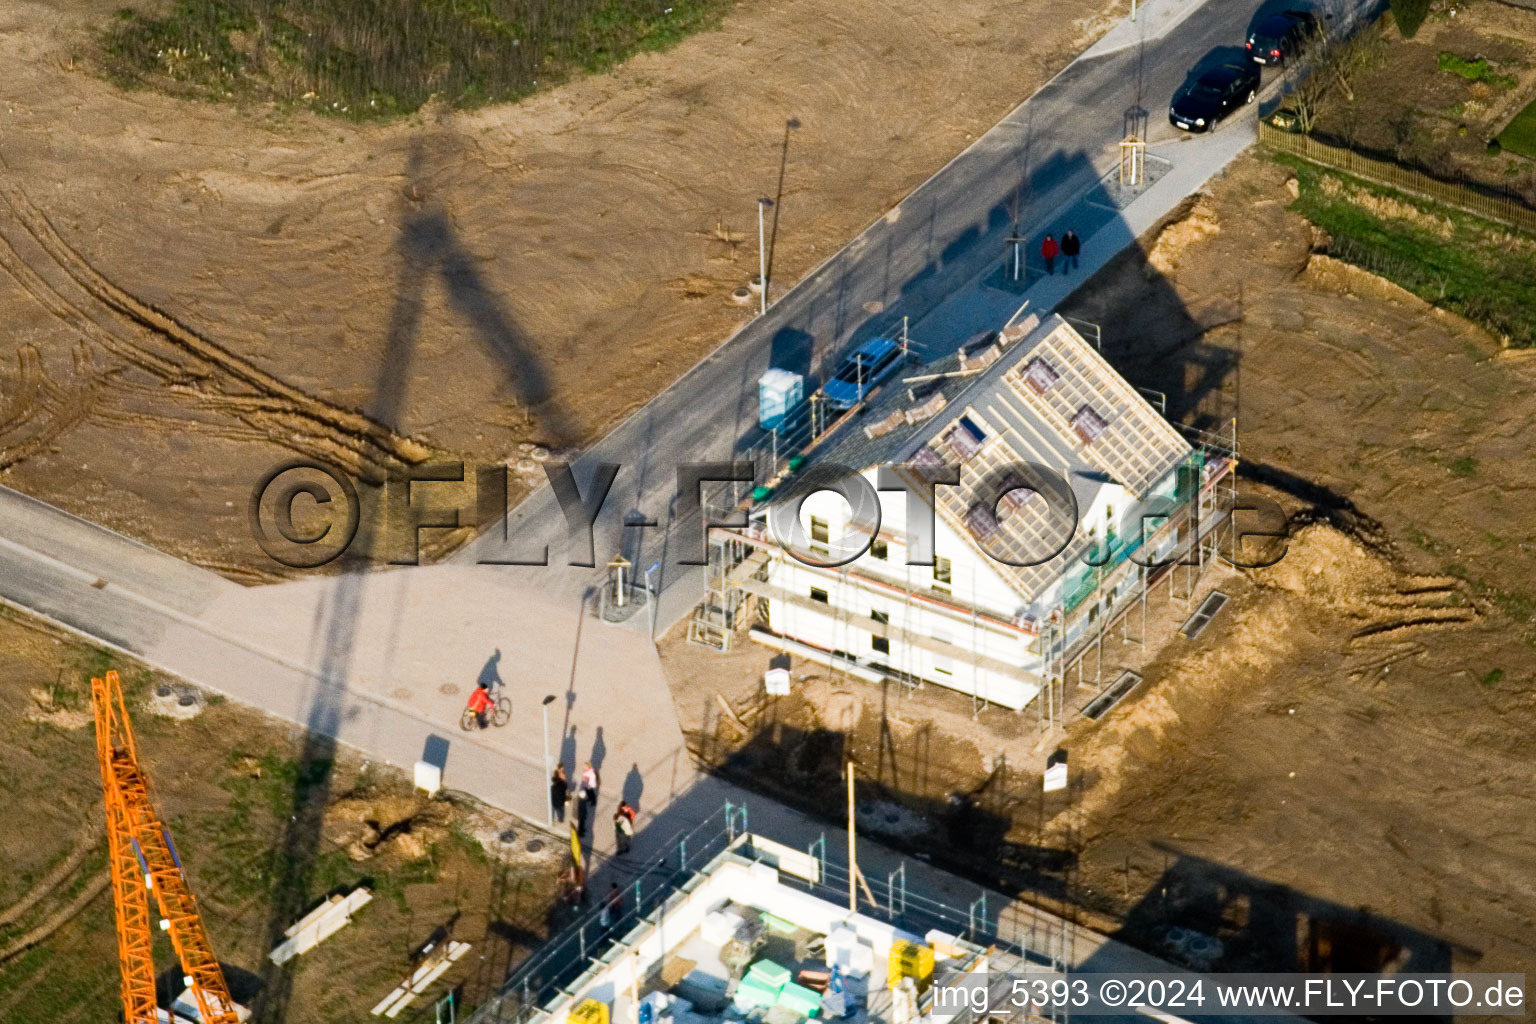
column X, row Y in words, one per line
column 1457, row 191
column 587, row 941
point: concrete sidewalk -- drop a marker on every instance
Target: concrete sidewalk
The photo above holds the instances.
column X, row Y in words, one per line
column 382, row 662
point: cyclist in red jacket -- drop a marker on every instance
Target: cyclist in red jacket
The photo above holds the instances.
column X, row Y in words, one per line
column 480, row 703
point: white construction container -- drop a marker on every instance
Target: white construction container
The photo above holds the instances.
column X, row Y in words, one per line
column 779, row 392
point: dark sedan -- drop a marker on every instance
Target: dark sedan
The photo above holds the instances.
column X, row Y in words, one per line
column 1279, row 37
column 1213, row 96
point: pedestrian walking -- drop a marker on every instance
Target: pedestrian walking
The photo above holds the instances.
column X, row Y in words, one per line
column 559, row 792
column 623, row 827
column 586, row 797
column 613, row 906
column 1071, row 245
column 1049, row 250
column 573, row 885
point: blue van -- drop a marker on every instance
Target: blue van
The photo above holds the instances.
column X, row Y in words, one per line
column 866, row 366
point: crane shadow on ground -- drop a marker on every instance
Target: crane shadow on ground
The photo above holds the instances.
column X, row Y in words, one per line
column 428, row 248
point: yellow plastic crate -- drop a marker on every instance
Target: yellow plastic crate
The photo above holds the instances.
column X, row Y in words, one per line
column 909, row 960
column 588, row 1011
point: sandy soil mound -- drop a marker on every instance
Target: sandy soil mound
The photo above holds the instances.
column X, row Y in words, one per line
column 367, row 826
column 49, row 713
column 1199, row 223
column 1324, row 272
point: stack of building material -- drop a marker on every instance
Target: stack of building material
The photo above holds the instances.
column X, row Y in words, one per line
column 320, row 924
column 1020, row 330
column 926, row 408
column 944, row 944
column 767, row 985
column 982, row 359
column 432, row 968
column 846, row 950
column 803, row 1001
column 885, row 426
column 760, row 988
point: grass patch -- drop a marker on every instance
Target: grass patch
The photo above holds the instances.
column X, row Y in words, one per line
column 1475, row 69
column 1519, row 136
column 1494, row 677
column 1473, row 267
column 1464, row 467
column 375, row 58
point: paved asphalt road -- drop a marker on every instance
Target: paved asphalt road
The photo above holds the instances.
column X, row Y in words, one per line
column 943, row 237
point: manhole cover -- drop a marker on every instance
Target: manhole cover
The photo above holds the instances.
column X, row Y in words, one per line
column 508, row 836
column 163, row 691
column 535, row 845
column 449, row 689
column 187, row 700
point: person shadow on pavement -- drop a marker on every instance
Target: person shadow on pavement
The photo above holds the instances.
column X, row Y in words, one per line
column 634, row 786
column 490, row 675
column 599, row 750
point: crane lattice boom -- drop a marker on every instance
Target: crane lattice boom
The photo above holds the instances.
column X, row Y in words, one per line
column 144, row 860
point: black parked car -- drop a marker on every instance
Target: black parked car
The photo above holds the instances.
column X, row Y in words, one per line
column 1213, row 96
column 1279, row 37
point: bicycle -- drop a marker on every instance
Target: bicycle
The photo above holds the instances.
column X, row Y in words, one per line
column 500, row 714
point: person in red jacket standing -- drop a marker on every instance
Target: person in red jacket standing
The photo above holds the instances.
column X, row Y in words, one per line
column 1049, row 250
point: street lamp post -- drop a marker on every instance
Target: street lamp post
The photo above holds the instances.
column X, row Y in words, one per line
column 549, row 773
column 762, row 256
column 650, row 602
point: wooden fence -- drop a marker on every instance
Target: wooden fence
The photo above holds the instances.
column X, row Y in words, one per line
column 1504, row 209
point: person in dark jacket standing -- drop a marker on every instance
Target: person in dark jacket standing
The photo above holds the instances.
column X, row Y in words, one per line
column 1049, row 250
column 1070, row 247
column 559, row 792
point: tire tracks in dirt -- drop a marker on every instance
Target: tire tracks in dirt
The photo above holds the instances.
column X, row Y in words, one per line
column 63, row 916
column 84, row 845
column 194, row 366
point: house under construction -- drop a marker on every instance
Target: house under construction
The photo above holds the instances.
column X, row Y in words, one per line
column 1018, row 590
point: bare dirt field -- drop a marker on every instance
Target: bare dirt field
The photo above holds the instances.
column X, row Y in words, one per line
column 230, row 806
column 197, row 292
column 1356, row 731
column 1335, row 773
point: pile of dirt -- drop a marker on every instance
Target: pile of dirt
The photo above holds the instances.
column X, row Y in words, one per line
column 47, row 712
column 1328, row 274
column 1198, row 222
column 370, row 825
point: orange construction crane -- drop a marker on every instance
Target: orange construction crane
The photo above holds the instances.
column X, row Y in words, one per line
column 144, row 860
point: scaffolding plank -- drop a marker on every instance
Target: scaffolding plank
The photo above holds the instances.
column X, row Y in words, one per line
column 1196, row 623
column 1117, row 692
